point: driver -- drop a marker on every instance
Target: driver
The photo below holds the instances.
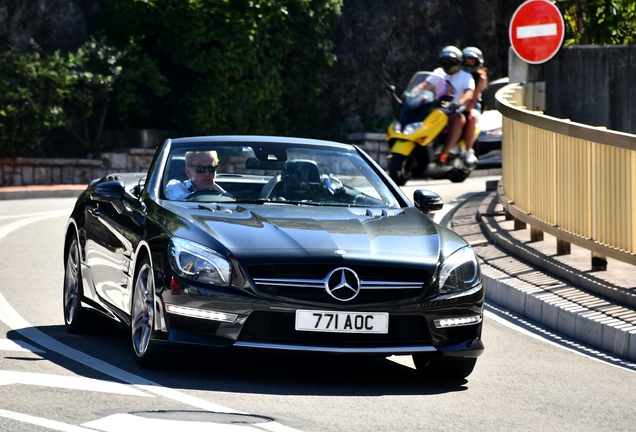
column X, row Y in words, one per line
column 201, row 171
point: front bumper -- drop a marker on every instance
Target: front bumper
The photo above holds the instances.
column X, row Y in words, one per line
column 414, row 328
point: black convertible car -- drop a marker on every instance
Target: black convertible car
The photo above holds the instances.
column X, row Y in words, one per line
column 303, row 245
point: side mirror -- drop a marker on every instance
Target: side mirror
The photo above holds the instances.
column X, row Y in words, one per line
column 427, row 201
column 108, row 191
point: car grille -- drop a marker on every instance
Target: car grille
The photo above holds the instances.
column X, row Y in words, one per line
column 307, row 282
column 279, row 327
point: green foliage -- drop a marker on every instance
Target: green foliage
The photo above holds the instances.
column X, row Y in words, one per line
column 46, row 90
column 235, row 67
column 600, row 22
column 32, row 89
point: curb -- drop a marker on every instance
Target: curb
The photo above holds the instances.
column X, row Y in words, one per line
column 531, row 288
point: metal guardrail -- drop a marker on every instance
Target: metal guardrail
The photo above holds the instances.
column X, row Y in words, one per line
column 573, row 181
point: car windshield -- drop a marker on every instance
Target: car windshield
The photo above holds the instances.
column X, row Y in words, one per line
column 274, row 174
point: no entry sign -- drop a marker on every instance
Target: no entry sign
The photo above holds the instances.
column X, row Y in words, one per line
column 536, row 31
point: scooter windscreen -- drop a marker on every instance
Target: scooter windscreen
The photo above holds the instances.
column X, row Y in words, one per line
column 421, row 96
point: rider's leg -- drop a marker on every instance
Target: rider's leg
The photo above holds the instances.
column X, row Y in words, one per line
column 456, row 122
column 470, row 138
column 469, row 132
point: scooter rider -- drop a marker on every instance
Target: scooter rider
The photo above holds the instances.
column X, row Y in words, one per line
column 474, row 64
column 462, row 88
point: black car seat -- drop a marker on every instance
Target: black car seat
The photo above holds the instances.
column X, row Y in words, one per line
column 300, row 179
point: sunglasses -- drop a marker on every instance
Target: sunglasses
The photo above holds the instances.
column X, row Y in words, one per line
column 200, row 169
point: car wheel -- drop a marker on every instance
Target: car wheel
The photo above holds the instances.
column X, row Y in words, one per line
column 142, row 317
column 399, row 169
column 76, row 318
column 444, row 368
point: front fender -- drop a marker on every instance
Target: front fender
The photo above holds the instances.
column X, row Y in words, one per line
column 403, row 147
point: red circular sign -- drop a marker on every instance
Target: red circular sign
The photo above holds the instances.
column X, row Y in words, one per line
column 536, row 31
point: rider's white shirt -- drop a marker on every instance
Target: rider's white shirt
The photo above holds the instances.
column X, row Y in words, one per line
column 460, row 82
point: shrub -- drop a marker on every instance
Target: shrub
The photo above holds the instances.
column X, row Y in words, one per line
column 233, row 67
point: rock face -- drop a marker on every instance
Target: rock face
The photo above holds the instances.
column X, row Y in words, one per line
column 63, row 24
column 387, row 41
column 377, row 42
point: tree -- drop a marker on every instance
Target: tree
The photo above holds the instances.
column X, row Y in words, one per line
column 241, row 66
column 32, row 96
column 600, row 22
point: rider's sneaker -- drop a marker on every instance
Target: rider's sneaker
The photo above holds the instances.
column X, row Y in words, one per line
column 470, row 157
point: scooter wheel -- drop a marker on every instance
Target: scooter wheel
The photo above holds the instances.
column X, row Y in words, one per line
column 458, row 176
column 399, row 170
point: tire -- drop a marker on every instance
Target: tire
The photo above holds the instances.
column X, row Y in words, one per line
column 399, row 169
column 76, row 319
column 458, row 176
column 142, row 317
column 444, row 368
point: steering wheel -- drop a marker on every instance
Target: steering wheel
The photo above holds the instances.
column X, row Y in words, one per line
column 205, row 194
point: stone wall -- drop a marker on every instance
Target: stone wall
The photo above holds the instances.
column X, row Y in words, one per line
column 32, row 171
column 373, row 144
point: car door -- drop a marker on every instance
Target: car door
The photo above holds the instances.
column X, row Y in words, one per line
column 113, row 230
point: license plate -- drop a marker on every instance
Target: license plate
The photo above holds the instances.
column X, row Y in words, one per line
column 342, row 322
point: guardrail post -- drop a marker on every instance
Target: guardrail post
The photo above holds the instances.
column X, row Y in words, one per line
column 519, row 224
column 508, row 215
column 535, row 234
column 563, row 247
column 599, row 262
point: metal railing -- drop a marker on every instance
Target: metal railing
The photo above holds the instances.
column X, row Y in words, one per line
column 573, row 181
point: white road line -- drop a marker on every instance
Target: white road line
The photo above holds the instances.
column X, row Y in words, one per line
column 68, row 382
column 128, row 422
column 25, row 215
column 18, row 346
column 16, row 322
column 6, row 229
column 533, row 31
column 50, row 424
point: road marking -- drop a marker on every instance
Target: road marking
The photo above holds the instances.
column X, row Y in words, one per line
column 68, row 382
column 22, row 216
column 540, row 30
column 6, row 229
column 50, row 424
column 16, row 322
column 18, row 346
column 120, row 422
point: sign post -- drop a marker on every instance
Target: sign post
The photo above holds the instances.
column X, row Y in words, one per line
column 536, row 31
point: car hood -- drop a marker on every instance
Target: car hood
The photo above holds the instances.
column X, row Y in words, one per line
column 278, row 231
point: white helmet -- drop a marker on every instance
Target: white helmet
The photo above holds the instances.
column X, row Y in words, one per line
column 475, row 57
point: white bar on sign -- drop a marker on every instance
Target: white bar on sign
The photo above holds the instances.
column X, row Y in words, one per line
column 536, row 31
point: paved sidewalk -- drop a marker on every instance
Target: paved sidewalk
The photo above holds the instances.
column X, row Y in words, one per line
column 560, row 292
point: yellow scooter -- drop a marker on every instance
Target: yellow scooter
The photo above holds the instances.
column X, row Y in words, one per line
column 416, row 137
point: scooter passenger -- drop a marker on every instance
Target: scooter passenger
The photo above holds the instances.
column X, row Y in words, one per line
column 473, row 63
column 462, row 87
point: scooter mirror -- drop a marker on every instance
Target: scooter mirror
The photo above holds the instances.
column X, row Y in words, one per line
column 427, row 201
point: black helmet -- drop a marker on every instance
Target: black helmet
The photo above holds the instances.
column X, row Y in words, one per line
column 472, row 53
column 451, row 59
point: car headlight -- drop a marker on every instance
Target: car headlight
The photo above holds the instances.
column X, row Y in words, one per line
column 412, row 127
column 193, row 261
column 459, row 272
column 490, row 135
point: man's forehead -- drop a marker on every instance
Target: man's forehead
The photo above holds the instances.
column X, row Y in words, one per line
column 204, row 157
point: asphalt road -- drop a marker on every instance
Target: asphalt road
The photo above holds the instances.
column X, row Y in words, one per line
column 528, row 378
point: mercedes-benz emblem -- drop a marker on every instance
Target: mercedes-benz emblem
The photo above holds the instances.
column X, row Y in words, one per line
column 342, row 284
